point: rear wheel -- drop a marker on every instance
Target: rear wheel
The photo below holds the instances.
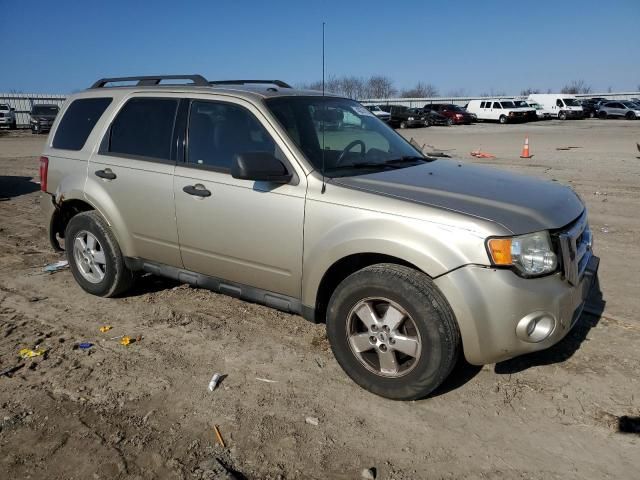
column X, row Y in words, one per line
column 592, row 114
column 603, row 115
column 630, row 116
column 449, row 122
column 13, row 125
column 392, row 331
column 94, row 256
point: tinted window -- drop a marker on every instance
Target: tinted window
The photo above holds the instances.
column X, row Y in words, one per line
column 218, row 131
column 482, row 104
column 78, row 121
column 559, row 103
column 496, row 105
column 508, row 105
column 143, row 128
column 44, row 110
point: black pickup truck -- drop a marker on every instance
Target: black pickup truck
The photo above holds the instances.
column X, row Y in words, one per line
column 405, row 117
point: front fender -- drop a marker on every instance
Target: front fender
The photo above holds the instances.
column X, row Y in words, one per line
column 434, row 249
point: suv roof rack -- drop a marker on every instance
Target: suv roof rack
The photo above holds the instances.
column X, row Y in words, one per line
column 277, row 83
column 151, row 80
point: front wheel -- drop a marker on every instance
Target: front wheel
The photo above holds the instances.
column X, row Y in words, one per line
column 392, row 331
column 403, row 125
column 503, row 119
column 94, row 256
column 13, row 125
column 562, row 116
column 449, row 122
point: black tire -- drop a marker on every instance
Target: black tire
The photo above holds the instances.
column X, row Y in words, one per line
column 602, row 115
column 449, row 122
column 562, row 116
column 117, row 277
column 429, row 313
column 630, row 116
column 502, row 119
column 403, row 125
column 13, row 125
column 592, row 114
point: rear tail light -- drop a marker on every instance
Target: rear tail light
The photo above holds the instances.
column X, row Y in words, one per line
column 44, row 171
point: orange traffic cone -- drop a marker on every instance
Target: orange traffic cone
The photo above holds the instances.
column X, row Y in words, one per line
column 525, row 149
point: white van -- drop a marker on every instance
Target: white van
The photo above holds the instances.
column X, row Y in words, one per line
column 501, row 110
column 559, row 105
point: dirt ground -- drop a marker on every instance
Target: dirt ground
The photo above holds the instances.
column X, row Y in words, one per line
column 144, row 411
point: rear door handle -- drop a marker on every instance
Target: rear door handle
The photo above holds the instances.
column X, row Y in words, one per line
column 197, row 190
column 107, row 174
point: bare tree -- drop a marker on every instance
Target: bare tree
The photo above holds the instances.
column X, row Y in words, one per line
column 352, row 87
column 421, row 90
column 380, row 86
column 528, row 91
column 576, row 86
column 609, row 89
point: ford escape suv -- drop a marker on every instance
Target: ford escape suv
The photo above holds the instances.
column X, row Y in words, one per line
column 253, row 189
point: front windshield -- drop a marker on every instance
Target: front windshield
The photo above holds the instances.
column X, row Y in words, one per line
column 570, row 102
column 44, row 110
column 520, row 103
column 455, row 108
column 352, row 139
column 508, row 105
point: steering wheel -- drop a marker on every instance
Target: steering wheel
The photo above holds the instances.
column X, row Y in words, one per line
column 363, row 149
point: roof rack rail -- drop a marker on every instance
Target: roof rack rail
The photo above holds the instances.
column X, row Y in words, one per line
column 277, row 83
column 151, row 80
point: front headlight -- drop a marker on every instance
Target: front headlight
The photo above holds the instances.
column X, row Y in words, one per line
column 530, row 255
column 410, row 118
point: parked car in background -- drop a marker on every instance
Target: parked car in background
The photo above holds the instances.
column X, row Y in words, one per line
column 42, row 117
column 559, row 105
column 589, row 108
column 620, row 109
column 497, row 110
column 378, row 112
column 528, row 109
column 405, row 117
column 435, row 118
column 7, row 116
column 541, row 113
column 456, row 113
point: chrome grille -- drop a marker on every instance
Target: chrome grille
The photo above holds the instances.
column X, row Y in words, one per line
column 575, row 249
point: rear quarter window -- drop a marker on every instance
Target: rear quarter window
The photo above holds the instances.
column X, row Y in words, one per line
column 78, row 122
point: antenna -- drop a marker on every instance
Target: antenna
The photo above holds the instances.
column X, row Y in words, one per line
column 324, row 185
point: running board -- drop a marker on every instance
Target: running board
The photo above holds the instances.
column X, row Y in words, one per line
column 278, row 301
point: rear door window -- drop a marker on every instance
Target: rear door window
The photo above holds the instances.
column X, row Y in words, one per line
column 78, row 122
column 143, row 128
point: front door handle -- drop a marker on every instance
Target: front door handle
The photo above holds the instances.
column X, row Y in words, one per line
column 107, row 174
column 197, row 190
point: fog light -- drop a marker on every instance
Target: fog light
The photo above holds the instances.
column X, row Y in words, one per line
column 536, row 327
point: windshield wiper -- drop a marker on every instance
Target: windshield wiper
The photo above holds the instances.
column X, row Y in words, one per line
column 363, row 165
column 407, row 159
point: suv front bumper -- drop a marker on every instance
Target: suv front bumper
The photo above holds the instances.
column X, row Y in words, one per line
column 492, row 305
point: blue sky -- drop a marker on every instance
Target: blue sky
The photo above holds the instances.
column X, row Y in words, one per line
column 470, row 46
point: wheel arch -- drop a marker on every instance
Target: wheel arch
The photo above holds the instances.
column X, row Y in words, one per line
column 340, row 270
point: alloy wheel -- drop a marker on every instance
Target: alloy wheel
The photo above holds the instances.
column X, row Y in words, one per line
column 89, row 257
column 383, row 337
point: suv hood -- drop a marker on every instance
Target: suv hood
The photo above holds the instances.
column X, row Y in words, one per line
column 519, row 203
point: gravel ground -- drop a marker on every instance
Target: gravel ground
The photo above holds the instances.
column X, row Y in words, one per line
column 144, row 411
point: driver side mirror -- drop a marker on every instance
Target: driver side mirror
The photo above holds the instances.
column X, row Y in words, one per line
column 260, row 167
